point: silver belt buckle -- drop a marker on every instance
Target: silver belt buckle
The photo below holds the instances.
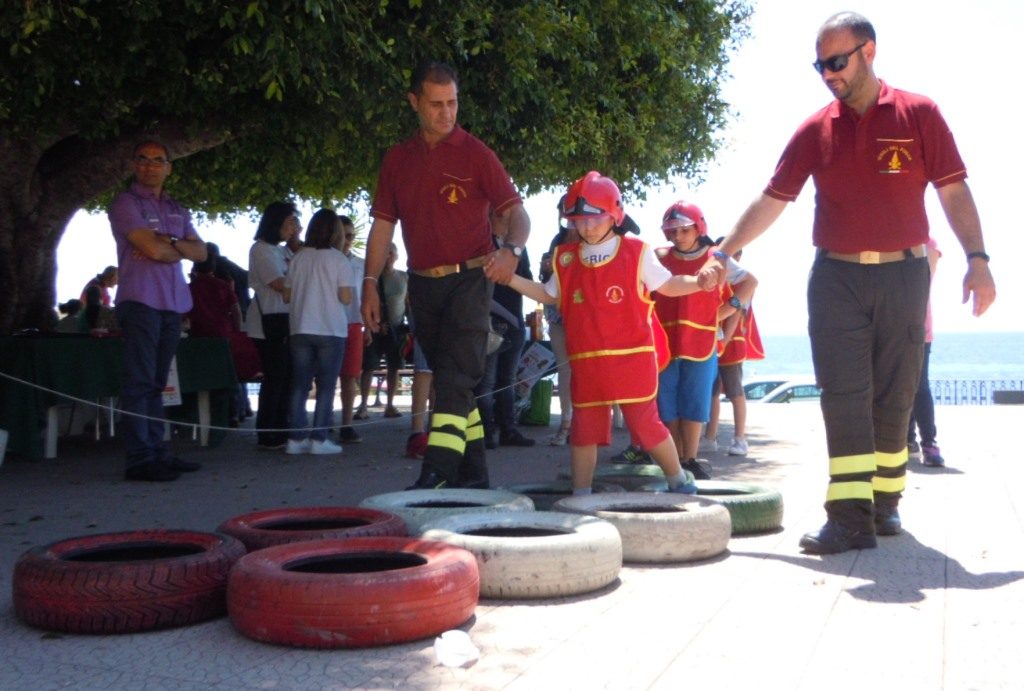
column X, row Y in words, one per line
column 870, row 257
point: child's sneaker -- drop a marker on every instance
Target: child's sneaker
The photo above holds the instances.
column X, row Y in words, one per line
column 688, row 486
column 559, row 438
column 707, row 445
column 694, row 467
column 931, row 457
column 913, row 450
column 416, row 445
column 738, row 447
column 632, row 455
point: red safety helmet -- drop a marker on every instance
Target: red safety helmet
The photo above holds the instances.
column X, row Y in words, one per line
column 593, row 195
column 683, row 214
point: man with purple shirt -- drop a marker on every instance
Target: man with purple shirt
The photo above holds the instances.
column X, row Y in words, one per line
column 153, row 234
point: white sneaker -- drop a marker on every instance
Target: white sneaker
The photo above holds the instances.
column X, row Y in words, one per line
column 297, row 446
column 738, row 447
column 559, row 438
column 324, row 448
column 707, row 445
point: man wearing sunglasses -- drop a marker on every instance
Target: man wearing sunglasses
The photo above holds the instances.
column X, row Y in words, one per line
column 871, row 152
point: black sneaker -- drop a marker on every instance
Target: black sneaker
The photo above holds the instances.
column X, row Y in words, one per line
column 834, row 538
column 151, row 471
column 348, row 435
column 182, row 466
column 515, row 438
column 887, row 520
column 429, row 479
column 697, row 469
column 632, row 455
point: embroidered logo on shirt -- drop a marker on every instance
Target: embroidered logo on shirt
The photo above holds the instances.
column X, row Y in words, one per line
column 452, row 192
column 565, row 259
column 577, row 297
column 615, row 294
column 893, row 159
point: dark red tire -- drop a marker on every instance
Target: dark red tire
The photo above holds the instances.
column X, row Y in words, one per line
column 352, row 593
column 262, row 529
column 125, row 582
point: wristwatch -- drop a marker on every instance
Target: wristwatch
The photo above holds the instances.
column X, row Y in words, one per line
column 735, row 302
column 516, row 250
column 978, row 255
column 173, row 240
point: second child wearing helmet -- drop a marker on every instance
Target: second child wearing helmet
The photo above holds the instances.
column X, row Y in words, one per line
column 602, row 285
column 691, row 322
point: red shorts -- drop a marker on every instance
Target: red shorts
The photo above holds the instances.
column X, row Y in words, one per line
column 352, row 365
column 593, row 425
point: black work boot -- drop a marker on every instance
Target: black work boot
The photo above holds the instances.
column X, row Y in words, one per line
column 887, row 519
column 430, row 478
column 834, row 538
column 473, row 469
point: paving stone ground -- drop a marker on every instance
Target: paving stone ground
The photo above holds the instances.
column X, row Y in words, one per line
column 938, row 607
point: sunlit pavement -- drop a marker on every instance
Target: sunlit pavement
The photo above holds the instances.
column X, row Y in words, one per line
column 938, row 607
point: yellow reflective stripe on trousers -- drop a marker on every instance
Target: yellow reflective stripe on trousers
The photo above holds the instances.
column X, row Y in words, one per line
column 891, row 485
column 446, row 440
column 474, row 432
column 884, row 459
column 837, row 491
column 851, row 465
column 440, row 420
column 474, row 417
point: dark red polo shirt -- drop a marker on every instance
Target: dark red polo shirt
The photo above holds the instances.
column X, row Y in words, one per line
column 870, row 171
column 442, row 197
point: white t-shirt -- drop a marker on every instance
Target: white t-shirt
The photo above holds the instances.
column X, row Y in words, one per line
column 352, row 310
column 652, row 272
column 266, row 263
column 314, row 277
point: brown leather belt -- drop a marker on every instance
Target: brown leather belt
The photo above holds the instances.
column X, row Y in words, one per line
column 449, row 269
column 869, row 257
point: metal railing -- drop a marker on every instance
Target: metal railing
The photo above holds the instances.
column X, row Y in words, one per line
column 971, row 391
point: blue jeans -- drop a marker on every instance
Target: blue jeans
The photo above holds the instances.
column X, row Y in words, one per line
column 496, row 393
column 150, row 341
column 314, row 358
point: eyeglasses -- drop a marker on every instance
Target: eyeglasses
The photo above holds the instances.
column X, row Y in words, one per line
column 147, row 161
column 836, row 63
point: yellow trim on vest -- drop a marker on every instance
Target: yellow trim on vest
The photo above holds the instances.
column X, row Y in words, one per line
column 838, row 491
column 445, row 440
column 848, row 465
column 603, row 353
column 891, row 485
column 440, row 420
column 690, row 324
column 884, row 459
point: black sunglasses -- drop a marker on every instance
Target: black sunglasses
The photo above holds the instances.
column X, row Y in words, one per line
column 836, row 63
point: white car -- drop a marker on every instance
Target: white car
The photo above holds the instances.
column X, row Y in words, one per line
column 782, row 390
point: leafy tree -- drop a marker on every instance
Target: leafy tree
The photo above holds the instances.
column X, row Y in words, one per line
column 268, row 99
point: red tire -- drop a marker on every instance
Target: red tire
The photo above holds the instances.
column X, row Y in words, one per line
column 352, row 593
column 281, row 526
column 125, row 582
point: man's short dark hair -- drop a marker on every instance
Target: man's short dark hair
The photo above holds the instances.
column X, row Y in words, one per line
column 432, row 71
column 151, row 142
column 856, row 24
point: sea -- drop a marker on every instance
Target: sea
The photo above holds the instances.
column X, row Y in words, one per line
column 992, row 356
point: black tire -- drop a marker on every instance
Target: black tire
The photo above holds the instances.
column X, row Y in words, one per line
column 352, row 593
column 545, row 494
column 535, row 554
column 754, row 509
column 125, row 582
column 271, row 527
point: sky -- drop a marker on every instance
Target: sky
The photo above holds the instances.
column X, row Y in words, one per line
column 965, row 56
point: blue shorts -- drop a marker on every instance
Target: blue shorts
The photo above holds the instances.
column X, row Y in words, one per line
column 419, row 360
column 684, row 389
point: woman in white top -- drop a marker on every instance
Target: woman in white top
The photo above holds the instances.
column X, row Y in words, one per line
column 317, row 289
column 266, row 321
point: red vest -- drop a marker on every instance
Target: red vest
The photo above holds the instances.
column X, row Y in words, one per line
column 745, row 343
column 607, row 313
column 691, row 321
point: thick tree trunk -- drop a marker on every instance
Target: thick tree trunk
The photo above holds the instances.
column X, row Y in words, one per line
column 42, row 185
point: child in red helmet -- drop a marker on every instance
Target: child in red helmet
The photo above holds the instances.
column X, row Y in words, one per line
column 602, row 285
column 691, row 322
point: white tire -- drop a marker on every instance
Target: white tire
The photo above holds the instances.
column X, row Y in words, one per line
column 419, row 506
column 535, row 554
column 659, row 528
